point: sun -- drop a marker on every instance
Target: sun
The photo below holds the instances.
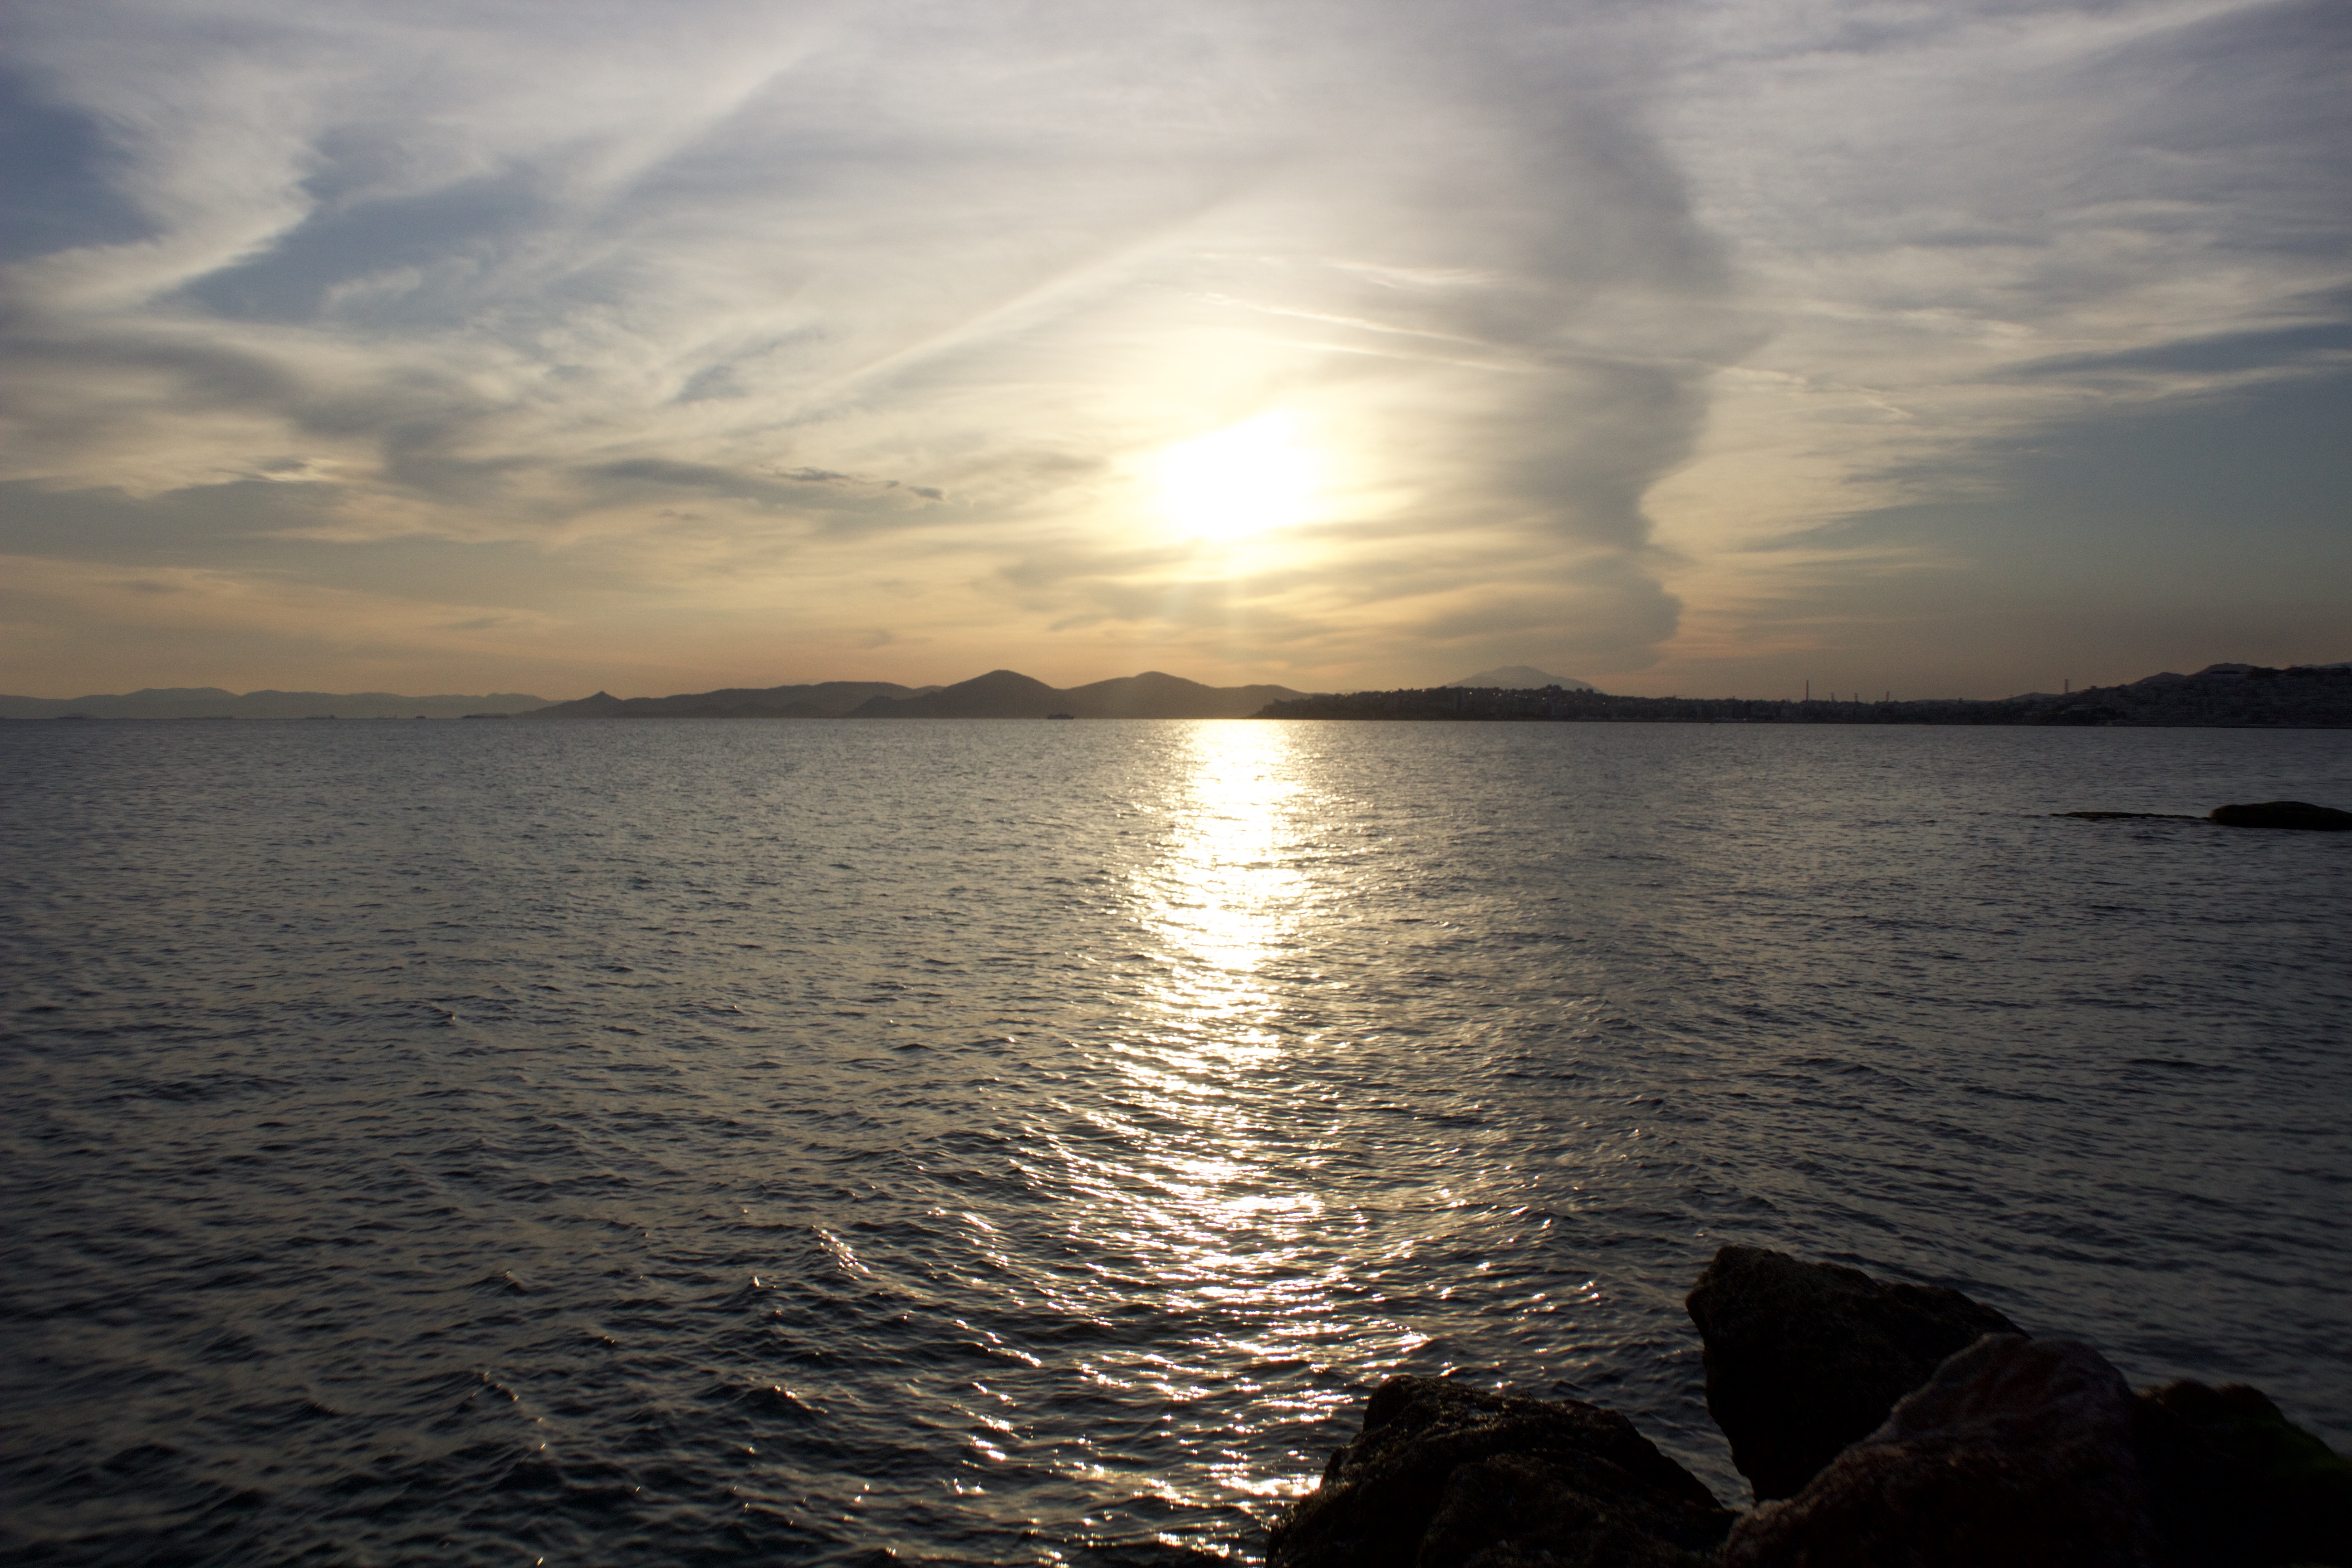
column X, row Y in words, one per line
column 1239, row 482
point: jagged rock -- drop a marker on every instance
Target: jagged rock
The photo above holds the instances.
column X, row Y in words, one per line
column 2283, row 813
column 1443, row 1476
column 2234, row 1482
column 1804, row 1358
column 2028, row 1454
column 2018, row 1452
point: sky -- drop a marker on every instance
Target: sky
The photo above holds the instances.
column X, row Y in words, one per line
column 1950, row 349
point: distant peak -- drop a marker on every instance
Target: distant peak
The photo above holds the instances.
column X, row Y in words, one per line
column 1520, row 678
column 1003, row 678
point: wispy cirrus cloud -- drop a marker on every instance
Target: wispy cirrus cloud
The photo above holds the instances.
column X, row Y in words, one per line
column 719, row 337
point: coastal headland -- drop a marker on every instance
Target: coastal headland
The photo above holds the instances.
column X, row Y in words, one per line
column 2220, row 696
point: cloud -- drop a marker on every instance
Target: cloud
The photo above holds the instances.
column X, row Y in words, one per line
column 57, row 170
column 809, row 320
column 2320, row 347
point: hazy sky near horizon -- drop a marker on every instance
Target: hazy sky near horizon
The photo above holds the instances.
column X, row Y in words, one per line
column 1954, row 349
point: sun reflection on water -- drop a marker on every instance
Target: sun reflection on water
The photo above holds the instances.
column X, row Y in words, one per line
column 1227, row 894
column 1203, row 1195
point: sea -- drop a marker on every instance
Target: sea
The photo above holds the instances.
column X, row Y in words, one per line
column 699, row 1143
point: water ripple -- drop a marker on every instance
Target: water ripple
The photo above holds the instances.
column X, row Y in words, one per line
column 1026, row 1144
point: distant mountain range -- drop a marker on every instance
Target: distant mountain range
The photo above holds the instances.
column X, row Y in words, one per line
column 2233, row 695
column 1005, row 694
column 823, row 699
column 1519, row 678
column 999, row 694
column 211, row 702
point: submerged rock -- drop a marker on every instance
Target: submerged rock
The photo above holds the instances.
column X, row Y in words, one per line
column 1443, row 1476
column 2283, row 813
column 1805, row 1358
column 2019, row 1452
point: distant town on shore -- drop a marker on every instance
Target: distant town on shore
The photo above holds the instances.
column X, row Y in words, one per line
column 2220, row 696
column 2230, row 696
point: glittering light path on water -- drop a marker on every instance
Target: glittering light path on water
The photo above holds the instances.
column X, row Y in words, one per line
column 1006, row 1143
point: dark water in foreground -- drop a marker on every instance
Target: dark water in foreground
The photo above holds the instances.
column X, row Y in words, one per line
column 1004, row 1143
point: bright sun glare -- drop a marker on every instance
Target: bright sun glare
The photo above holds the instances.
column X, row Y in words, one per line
column 1238, row 481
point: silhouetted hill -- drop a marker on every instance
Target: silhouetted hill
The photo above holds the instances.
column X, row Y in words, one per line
column 1153, row 695
column 2220, row 696
column 1521, row 678
column 999, row 694
column 823, row 699
column 211, row 702
column 1008, row 694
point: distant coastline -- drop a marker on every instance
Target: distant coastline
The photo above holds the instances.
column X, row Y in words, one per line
column 999, row 694
column 212, row 702
column 2220, row 696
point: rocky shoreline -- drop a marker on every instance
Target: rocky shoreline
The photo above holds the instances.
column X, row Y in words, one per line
column 1881, row 1425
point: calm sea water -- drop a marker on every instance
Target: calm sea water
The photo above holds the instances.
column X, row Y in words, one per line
column 1006, row 1143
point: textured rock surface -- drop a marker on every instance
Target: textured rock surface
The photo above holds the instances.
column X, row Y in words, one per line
column 2019, row 1452
column 2232, row 1481
column 1443, row 1476
column 2023, row 1453
column 2283, row 813
column 1805, row 1358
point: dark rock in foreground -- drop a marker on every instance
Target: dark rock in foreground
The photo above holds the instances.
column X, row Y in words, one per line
column 2283, row 813
column 2233, row 1481
column 2033, row 1454
column 2007, row 1450
column 2018, row 1452
column 1805, row 1358
column 1444, row 1474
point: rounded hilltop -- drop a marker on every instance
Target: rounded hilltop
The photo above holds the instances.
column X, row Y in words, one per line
column 1520, row 678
